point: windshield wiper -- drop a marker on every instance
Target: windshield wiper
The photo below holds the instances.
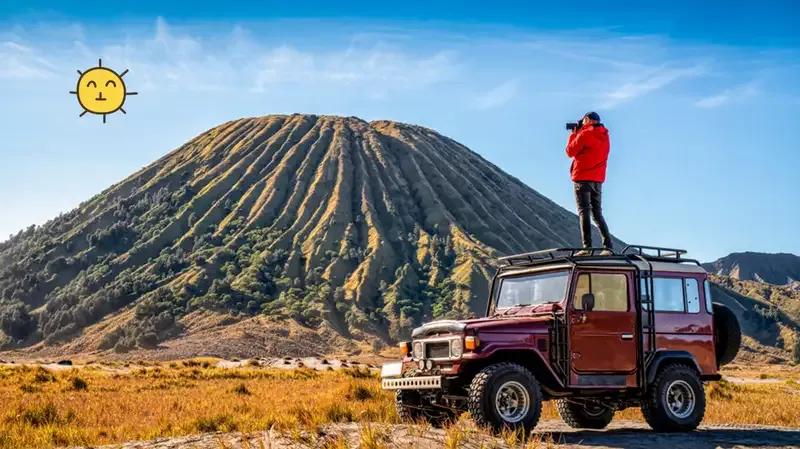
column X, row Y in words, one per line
column 515, row 306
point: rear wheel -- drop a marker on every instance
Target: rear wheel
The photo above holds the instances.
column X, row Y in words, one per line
column 676, row 401
column 505, row 395
column 584, row 416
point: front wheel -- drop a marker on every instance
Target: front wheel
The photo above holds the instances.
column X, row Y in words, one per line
column 676, row 401
column 584, row 416
column 412, row 408
column 505, row 395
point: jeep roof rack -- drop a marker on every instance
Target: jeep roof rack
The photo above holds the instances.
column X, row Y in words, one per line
column 662, row 254
column 574, row 256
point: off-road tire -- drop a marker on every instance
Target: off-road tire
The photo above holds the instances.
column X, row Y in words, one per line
column 727, row 334
column 483, row 392
column 657, row 411
column 410, row 409
column 578, row 417
column 407, row 404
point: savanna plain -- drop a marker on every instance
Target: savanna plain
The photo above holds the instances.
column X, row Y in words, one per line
column 324, row 403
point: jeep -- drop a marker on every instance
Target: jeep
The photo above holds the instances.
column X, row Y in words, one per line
column 596, row 332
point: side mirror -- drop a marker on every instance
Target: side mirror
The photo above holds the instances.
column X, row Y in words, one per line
column 587, row 301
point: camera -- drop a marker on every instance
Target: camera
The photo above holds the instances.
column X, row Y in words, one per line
column 575, row 125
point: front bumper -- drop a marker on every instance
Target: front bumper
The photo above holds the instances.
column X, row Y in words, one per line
column 413, row 383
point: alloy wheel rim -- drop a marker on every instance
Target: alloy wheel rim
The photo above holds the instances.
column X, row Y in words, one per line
column 680, row 399
column 512, row 401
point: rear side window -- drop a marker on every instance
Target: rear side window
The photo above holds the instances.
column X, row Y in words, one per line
column 692, row 295
column 673, row 294
column 669, row 294
column 707, row 288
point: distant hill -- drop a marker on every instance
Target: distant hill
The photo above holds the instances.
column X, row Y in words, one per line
column 769, row 316
column 336, row 225
column 779, row 269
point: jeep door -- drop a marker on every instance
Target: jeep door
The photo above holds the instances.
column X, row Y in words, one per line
column 602, row 337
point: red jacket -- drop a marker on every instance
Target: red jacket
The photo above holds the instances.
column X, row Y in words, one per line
column 589, row 149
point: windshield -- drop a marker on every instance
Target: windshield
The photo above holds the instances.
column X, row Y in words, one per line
column 532, row 289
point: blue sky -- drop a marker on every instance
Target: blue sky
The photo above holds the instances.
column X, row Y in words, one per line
column 702, row 103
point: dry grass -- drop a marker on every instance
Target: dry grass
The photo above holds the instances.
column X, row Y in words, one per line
column 91, row 406
column 782, row 371
column 94, row 405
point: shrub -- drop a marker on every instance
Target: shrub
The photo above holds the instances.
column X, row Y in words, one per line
column 359, row 392
column 40, row 415
column 79, row 384
column 796, row 351
column 242, row 390
column 224, row 423
column 43, row 375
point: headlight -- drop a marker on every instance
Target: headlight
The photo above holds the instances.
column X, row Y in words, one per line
column 418, row 350
column 456, row 348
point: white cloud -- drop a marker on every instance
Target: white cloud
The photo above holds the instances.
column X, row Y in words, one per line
column 379, row 72
column 497, row 96
column 731, row 95
column 19, row 61
column 652, row 80
column 376, row 64
column 171, row 59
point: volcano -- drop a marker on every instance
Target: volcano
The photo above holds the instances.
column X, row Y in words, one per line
column 361, row 229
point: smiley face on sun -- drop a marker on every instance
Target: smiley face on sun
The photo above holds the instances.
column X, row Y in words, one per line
column 101, row 91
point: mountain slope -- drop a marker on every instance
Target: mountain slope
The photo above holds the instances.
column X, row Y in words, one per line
column 363, row 229
column 779, row 269
column 769, row 316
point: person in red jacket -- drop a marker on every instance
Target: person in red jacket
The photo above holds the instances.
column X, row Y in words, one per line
column 589, row 147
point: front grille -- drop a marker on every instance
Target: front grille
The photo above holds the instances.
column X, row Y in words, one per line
column 439, row 350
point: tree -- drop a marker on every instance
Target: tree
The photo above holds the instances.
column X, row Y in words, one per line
column 147, row 340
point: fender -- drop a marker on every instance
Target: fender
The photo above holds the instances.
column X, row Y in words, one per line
column 490, row 352
column 663, row 357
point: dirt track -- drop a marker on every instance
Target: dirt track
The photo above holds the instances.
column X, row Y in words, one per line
column 620, row 434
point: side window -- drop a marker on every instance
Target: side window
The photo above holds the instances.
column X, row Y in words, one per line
column 707, row 288
column 692, row 295
column 668, row 293
column 610, row 291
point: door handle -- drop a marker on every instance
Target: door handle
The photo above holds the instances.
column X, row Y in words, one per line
column 627, row 336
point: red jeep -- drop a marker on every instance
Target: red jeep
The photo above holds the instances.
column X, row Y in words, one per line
column 597, row 333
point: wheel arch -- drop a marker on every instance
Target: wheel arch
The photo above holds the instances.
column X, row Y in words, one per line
column 528, row 358
column 668, row 357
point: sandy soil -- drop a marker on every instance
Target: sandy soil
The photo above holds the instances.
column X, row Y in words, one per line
column 620, row 434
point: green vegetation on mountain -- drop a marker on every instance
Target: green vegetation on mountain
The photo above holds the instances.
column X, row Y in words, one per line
column 769, row 315
column 367, row 229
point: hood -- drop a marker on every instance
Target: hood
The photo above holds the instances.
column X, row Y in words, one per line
column 510, row 324
column 513, row 322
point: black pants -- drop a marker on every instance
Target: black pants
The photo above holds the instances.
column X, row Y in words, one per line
column 588, row 196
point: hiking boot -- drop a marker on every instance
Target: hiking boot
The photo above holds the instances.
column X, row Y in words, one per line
column 583, row 252
column 606, row 252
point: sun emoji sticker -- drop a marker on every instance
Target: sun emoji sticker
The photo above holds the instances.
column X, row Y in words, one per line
column 101, row 91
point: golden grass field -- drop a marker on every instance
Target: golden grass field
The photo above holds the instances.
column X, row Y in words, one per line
column 111, row 403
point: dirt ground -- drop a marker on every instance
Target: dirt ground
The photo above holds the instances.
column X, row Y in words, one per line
column 549, row 433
